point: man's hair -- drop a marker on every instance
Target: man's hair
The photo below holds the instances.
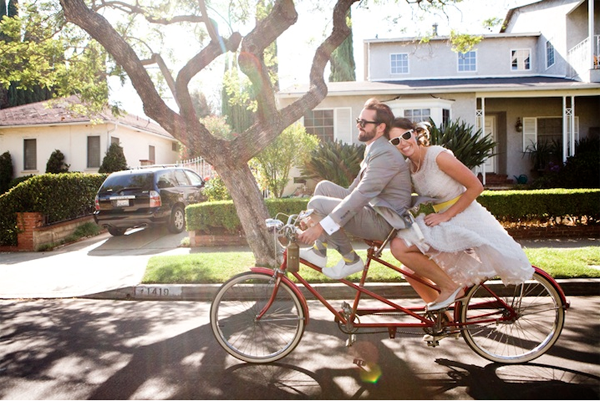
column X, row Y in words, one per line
column 383, row 114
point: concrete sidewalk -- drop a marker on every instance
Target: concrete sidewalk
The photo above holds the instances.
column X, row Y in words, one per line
column 112, row 268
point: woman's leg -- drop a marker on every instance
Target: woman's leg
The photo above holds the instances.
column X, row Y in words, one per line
column 411, row 257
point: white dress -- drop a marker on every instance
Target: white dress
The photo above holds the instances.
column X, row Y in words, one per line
column 473, row 245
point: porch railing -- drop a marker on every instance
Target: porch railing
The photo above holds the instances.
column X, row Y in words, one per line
column 579, row 57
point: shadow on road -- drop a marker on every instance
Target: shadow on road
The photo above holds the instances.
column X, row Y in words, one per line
column 97, row 350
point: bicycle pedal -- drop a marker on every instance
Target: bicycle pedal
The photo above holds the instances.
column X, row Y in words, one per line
column 351, row 340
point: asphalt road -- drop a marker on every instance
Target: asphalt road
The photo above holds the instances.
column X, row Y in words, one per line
column 103, row 349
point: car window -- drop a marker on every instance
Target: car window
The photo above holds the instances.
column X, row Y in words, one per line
column 166, row 179
column 118, row 182
column 182, row 178
column 194, row 178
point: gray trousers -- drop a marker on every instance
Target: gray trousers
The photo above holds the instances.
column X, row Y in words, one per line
column 366, row 223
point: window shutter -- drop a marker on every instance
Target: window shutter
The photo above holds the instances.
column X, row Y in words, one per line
column 343, row 124
column 529, row 133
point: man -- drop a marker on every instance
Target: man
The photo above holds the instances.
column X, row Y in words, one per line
column 370, row 207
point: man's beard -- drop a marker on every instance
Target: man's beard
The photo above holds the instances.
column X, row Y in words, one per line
column 366, row 136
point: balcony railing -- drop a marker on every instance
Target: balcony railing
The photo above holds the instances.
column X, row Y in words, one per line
column 579, row 57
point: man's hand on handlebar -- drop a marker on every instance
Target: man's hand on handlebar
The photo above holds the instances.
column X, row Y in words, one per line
column 310, row 235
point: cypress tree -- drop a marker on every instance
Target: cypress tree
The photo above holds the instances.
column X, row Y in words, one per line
column 343, row 67
column 13, row 8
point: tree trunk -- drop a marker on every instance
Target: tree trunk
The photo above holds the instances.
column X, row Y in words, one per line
column 251, row 211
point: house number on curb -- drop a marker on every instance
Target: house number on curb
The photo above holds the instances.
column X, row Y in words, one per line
column 166, row 291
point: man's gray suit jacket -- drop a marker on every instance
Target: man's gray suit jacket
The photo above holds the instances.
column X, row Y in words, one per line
column 383, row 183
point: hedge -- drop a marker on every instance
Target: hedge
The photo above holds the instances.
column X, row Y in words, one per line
column 59, row 197
column 581, row 205
column 222, row 214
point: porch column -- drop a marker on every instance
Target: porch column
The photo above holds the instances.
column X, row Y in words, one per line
column 480, row 125
column 568, row 127
column 591, row 35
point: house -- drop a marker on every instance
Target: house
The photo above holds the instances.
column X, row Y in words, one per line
column 535, row 83
column 32, row 132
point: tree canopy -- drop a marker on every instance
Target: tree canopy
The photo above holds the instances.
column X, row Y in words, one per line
column 74, row 46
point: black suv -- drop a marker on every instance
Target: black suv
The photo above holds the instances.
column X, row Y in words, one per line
column 147, row 196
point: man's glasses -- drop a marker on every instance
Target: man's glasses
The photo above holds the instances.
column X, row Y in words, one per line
column 362, row 122
column 406, row 136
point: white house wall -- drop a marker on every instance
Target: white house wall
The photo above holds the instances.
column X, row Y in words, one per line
column 436, row 59
column 71, row 140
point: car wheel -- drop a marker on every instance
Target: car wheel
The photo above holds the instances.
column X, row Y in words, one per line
column 116, row 232
column 177, row 220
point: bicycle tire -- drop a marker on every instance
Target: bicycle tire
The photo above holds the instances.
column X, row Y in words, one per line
column 539, row 320
column 233, row 320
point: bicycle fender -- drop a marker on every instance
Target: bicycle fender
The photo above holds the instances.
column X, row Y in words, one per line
column 560, row 291
column 291, row 284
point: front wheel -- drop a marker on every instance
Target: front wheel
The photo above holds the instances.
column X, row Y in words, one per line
column 514, row 324
column 238, row 327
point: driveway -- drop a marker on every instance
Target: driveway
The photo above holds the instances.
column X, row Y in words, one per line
column 90, row 266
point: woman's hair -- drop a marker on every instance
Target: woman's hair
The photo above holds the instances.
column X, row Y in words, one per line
column 422, row 132
column 421, row 129
column 383, row 114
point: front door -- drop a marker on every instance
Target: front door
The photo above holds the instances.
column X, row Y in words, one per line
column 490, row 129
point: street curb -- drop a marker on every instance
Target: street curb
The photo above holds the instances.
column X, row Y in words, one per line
column 206, row 292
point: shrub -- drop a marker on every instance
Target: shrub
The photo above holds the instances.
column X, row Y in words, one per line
column 114, row 159
column 59, row 197
column 334, row 161
column 579, row 205
column 273, row 164
column 215, row 190
column 581, row 170
column 208, row 216
column 6, row 171
column 56, row 163
column 471, row 149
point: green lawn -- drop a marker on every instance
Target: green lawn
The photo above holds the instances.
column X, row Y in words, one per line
column 203, row 268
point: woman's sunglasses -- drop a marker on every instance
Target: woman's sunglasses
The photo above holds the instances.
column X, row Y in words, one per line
column 406, row 136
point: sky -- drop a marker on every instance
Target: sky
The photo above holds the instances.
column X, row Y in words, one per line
column 296, row 46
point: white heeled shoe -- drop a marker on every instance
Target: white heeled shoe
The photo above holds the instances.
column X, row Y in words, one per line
column 434, row 306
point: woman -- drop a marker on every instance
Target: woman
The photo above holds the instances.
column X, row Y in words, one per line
column 461, row 243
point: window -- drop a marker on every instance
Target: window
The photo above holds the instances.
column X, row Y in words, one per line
column 445, row 116
column 545, row 133
column 175, row 146
column 114, row 139
column 399, row 63
column 320, row 123
column 467, row 61
column 152, row 154
column 30, row 154
column 549, row 54
column 93, row 151
column 417, row 115
column 520, row 60
column 194, row 178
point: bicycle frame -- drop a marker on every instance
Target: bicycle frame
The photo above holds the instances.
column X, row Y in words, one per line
column 429, row 320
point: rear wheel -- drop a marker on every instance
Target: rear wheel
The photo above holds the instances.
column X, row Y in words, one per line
column 117, row 232
column 237, row 326
column 177, row 220
column 521, row 324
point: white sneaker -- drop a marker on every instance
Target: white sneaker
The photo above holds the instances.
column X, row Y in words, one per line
column 309, row 255
column 343, row 269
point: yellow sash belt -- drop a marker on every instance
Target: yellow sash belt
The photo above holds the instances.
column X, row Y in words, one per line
column 442, row 206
